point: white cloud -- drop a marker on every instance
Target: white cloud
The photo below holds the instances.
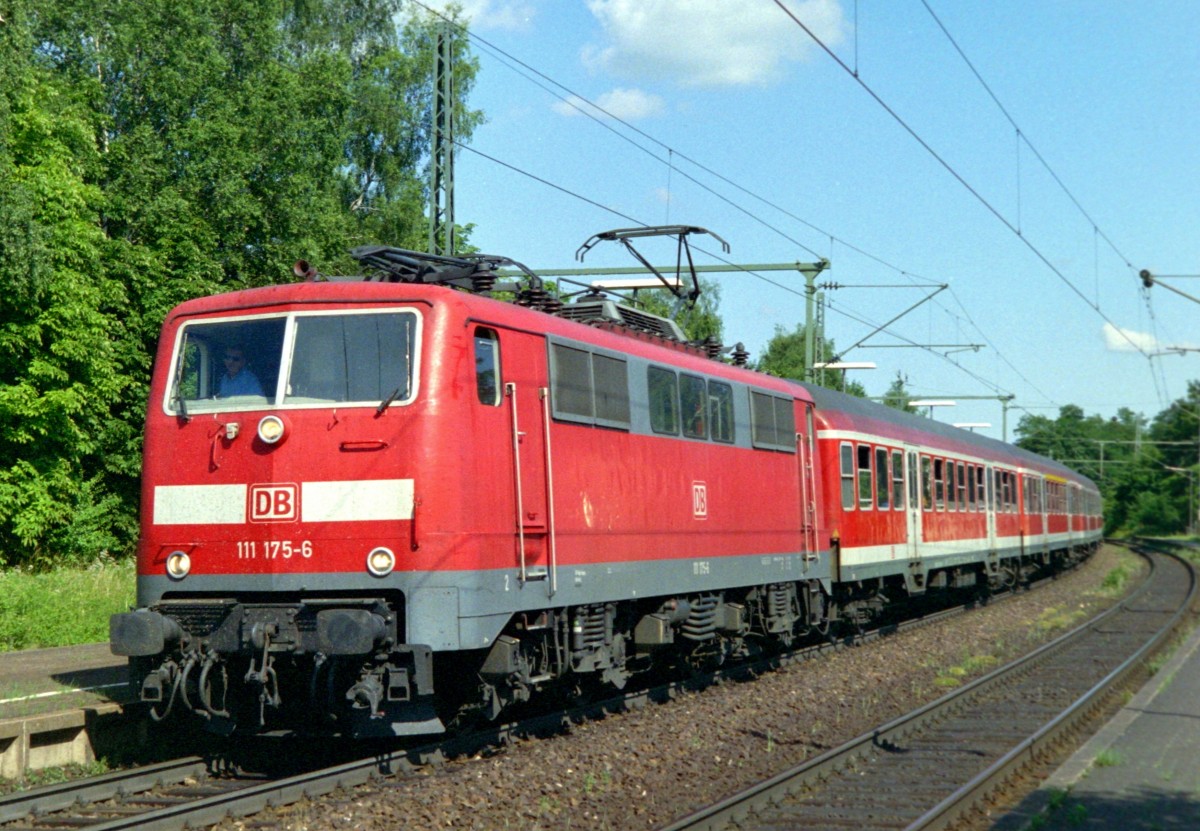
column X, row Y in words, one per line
column 512, row 15
column 1127, row 340
column 625, row 104
column 708, row 43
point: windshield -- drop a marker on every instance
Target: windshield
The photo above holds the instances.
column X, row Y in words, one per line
column 294, row 360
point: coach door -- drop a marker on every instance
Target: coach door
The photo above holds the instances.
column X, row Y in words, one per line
column 912, row 511
column 527, row 399
column 992, row 505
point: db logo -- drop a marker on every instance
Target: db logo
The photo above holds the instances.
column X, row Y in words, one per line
column 699, row 500
column 274, row 503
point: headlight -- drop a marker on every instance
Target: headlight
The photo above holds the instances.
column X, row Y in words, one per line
column 381, row 561
column 271, row 429
column 178, row 565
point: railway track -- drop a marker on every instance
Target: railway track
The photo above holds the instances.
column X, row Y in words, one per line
column 934, row 767
column 197, row 791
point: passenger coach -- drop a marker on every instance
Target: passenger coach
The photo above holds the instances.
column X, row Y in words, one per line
column 914, row 498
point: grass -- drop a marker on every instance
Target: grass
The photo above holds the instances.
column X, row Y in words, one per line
column 971, row 665
column 63, row 607
column 53, row 776
column 1114, row 582
column 1055, row 618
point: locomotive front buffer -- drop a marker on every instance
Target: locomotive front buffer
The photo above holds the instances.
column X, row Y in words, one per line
column 232, row 663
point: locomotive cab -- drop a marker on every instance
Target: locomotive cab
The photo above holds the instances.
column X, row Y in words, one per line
column 275, row 517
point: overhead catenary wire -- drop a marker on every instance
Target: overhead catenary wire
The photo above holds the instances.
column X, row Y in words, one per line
column 857, row 318
column 949, row 168
column 1023, row 137
column 575, row 100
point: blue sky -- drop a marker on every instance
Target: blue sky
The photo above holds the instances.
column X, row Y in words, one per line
column 1107, row 93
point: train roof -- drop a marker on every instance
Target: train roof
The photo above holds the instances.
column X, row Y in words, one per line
column 842, row 411
column 835, row 409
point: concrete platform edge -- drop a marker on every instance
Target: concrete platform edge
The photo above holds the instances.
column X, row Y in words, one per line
column 1074, row 769
column 50, row 740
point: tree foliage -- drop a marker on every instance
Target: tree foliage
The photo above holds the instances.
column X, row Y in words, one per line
column 897, row 396
column 699, row 322
column 1147, row 471
column 155, row 151
column 784, row 356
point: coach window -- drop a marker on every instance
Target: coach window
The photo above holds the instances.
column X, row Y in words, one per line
column 980, row 498
column 962, row 486
column 720, row 411
column 864, row 476
column 847, row 455
column 693, row 403
column 926, row 483
column 898, row 480
column 487, row 366
column 939, row 485
column 882, row 480
column 970, row 487
column 664, row 401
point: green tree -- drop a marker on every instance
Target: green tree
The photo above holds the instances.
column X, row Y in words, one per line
column 699, row 322
column 784, row 356
column 156, row 151
column 1145, row 471
column 897, row 395
column 59, row 382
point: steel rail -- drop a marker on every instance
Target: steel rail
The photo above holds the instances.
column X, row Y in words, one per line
column 62, row 795
column 737, row 807
column 954, row 807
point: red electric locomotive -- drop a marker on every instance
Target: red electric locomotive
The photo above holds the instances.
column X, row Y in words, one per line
column 371, row 506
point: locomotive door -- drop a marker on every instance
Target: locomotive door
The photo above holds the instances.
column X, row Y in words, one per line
column 528, row 401
column 913, row 508
column 806, row 448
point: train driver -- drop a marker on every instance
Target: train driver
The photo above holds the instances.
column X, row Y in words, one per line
column 238, row 379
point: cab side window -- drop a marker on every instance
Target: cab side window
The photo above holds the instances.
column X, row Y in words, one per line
column 487, row 366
